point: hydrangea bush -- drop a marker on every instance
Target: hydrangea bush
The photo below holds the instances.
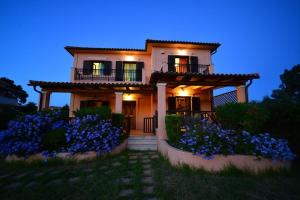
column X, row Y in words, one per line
column 24, row 135
column 208, row 139
column 90, row 133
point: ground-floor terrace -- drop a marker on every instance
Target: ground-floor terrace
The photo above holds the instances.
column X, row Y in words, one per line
column 145, row 105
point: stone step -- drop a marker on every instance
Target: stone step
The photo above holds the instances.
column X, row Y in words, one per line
column 142, row 143
column 143, row 147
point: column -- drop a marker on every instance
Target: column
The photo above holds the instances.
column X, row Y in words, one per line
column 118, row 103
column 241, row 94
column 41, row 101
column 47, row 100
column 161, row 110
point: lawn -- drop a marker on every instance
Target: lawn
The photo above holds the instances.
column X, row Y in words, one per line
column 139, row 175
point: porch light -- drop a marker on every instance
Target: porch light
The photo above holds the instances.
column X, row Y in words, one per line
column 129, row 58
column 127, row 97
column 182, row 92
column 182, row 52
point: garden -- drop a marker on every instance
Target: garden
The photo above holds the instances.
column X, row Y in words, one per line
column 50, row 133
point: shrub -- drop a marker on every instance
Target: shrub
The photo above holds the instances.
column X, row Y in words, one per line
column 173, row 125
column 104, row 112
column 90, row 133
column 284, row 121
column 24, row 135
column 207, row 139
column 242, row 116
column 54, row 140
column 117, row 119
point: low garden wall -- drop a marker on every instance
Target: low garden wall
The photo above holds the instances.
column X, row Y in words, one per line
column 178, row 157
column 68, row 156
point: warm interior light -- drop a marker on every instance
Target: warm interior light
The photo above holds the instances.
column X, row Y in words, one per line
column 127, row 97
column 182, row 92
column 129, row 58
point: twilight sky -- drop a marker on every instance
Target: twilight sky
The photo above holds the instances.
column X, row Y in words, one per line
column 256, row 35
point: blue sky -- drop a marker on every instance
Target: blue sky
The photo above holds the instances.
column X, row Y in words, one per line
column 256, row 36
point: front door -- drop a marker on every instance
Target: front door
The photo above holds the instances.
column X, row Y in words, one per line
column 129, row 110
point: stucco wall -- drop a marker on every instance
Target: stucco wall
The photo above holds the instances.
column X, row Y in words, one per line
column 219, row 162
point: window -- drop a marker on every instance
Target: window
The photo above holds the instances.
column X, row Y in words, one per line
column 183, row 104
column 129, row 71
column 98, row 68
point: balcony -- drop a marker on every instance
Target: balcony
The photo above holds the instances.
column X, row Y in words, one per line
column 108, row 75
column 183, row 68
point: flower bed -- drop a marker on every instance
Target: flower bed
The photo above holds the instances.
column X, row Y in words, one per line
column 207, row 145
column 45, row 135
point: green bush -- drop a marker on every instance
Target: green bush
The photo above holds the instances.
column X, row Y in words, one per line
column 54, row 139
column 243, row 116
column 173, row 124
column 117, row 119
column 284, row 121
column 104, row 112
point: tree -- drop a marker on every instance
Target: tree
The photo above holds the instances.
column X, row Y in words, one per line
column 289, row 89
column 8, row 88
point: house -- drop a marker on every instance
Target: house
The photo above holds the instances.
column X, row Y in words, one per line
column 164, row 77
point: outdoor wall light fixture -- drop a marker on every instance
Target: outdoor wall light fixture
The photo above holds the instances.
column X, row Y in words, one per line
column 127, row 97
column 182, row 92
column 182, row 52
column 129, row 58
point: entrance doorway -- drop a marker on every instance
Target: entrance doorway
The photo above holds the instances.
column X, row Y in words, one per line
column 129, row 110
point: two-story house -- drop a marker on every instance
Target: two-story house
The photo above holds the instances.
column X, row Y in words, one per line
column 164, row 77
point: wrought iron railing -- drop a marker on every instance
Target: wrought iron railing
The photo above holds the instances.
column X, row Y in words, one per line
column 209, row 115
column 183, row 68
column 108, row 75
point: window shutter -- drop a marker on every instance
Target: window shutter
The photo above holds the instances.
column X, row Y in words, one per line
column 139, row 69
column 107, row 68
column 119, row 71
column 196, row 104
column 172, row 105
column 194, row 63
column 87, row 67
column 171, row 63
column 105, row 103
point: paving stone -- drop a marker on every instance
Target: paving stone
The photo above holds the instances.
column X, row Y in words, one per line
column 107, row 172
column 147, row 180
column 88, row 170
column 55, row 182
column 133, row 157
column 145, row 161
column 148, row 189
column 147, row 172
column 31, row 184
column 38, row 174
column 151, row 198
column 103, row 167
column 126, row 192
column 90, row 176
column 14, row 185
column 115, row 164
column 5, row 176
column 146, row 166
column 132, row 161
column 154, row 156
column 75, row 179
column 21, row 175
column 126, row 181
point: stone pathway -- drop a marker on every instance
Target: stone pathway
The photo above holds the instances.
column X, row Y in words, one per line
column 146, row 177
column 135, row 170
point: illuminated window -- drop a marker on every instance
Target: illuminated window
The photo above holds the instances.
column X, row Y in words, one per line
column 129, row 71
column 181, row 64
column 98, row 68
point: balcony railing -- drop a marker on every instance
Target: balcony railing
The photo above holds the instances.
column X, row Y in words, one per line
column 209, row 115
column 183, row 68
column 108, row 75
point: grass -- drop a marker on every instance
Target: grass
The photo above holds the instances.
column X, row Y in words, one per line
column 169, row 182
